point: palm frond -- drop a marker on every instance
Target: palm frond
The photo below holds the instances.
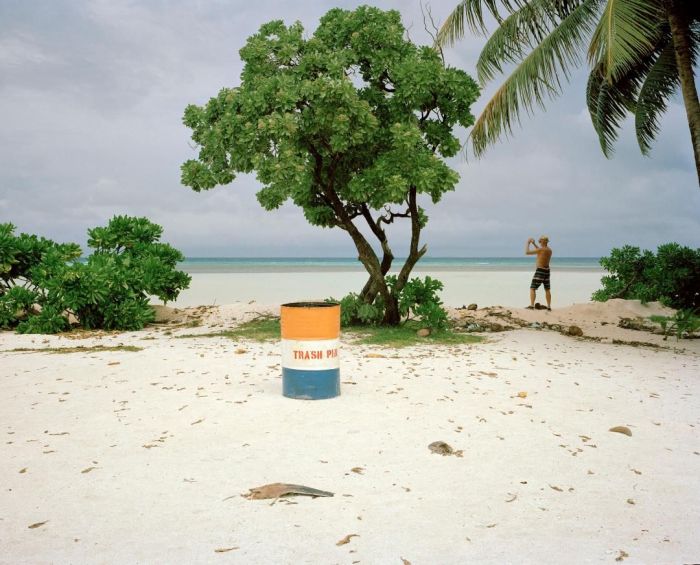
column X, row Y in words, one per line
column 610, row 101
column 470, row 13
column 661, row 82
column 536, row 78
column 608, row 106
column 519, row 32
column 627, row 32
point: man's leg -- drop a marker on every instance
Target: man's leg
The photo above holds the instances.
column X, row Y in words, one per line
column 532, row 297
column 548, row 296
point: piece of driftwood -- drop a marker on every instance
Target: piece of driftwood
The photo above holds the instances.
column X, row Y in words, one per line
column 622, row 430
column 278, row 490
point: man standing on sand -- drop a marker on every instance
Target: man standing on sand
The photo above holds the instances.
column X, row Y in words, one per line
column 544, row 254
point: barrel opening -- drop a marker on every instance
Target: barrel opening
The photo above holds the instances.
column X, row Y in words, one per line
column 310, row 304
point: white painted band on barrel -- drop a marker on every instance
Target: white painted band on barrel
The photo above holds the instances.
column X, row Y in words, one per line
column 312, row 355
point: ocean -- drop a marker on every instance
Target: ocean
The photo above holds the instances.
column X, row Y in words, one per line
column 320, row 264
column 486, row 281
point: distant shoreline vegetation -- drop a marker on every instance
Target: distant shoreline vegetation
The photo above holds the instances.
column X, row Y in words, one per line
column 222, row 265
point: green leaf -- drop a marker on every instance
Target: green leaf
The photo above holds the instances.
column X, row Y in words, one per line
column 626, row 33
column 661, row 82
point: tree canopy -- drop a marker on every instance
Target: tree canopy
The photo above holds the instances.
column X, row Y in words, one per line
column 350, row 124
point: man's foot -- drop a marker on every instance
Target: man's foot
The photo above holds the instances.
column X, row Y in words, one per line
column 530, row 307
column 549, row 309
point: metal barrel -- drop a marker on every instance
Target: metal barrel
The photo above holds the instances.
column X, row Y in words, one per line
column 310, row 350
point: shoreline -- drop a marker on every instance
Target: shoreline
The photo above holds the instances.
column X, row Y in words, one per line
column 311, row 269
column 461, row 287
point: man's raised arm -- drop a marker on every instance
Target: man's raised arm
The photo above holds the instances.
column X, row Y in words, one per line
column 529, row 251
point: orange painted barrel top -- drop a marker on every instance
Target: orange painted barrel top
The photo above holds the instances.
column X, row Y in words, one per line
column 310, row 320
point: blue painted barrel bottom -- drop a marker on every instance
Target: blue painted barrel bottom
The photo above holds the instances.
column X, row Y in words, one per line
column 310, row 385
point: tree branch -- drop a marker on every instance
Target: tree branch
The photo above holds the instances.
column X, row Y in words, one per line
column 434, row 33
column 389, row 219
column 414, row 253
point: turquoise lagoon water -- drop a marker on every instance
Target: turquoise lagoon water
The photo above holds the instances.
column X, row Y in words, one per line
column 319, row 264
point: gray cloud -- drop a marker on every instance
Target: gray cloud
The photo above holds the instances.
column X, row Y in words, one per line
column 91, row 101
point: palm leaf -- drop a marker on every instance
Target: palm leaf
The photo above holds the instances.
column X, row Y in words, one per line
column 519, row 32
column 610, row 101
column 470, row 13
column 608, row 105
column 536, row 78
column 661, row 81
column 627, row 32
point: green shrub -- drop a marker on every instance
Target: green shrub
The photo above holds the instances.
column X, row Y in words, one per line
column 16, row 305
column 353, row 311
column 683, row 323
column 42, row 283
column 417, row 300
column 672, row 276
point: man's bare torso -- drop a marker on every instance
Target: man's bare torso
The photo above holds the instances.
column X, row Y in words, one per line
column 544, row 254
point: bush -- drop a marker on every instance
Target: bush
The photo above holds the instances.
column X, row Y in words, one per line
column 417, row 300
column 672, row 276
column 683, row 324
column 42, row 283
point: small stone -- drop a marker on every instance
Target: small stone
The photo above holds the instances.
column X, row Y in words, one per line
column 535, row 325
column 424, row 332
column 473, row 328
column 574, row 331
column 472, row 307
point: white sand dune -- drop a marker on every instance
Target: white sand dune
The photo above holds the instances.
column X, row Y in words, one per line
column 141, row 456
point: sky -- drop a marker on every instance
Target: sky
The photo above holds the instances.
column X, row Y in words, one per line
column 92, row 95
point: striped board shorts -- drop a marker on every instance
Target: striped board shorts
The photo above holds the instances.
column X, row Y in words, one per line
column 541, row 277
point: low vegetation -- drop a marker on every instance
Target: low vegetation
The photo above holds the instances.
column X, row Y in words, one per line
column 406, row 335
column 45, row 287
column 77, row 349
column 268, row 329
column 671, row 276
column 265, row 328
column 682, row 324
column 417, row 300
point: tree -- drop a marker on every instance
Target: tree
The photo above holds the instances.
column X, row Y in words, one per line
column 639, row 52
column 349, row 124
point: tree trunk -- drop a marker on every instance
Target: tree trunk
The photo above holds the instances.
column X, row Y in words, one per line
column 370, row 290
column 376, row 285
column 392, row 316
column 414, row 254
column 366, row 254
column 680, row 32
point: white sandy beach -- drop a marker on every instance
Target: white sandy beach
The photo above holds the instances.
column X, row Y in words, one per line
column 142, row 456
column 483, row 287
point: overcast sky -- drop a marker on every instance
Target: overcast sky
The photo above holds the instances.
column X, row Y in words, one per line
column 91, row 101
